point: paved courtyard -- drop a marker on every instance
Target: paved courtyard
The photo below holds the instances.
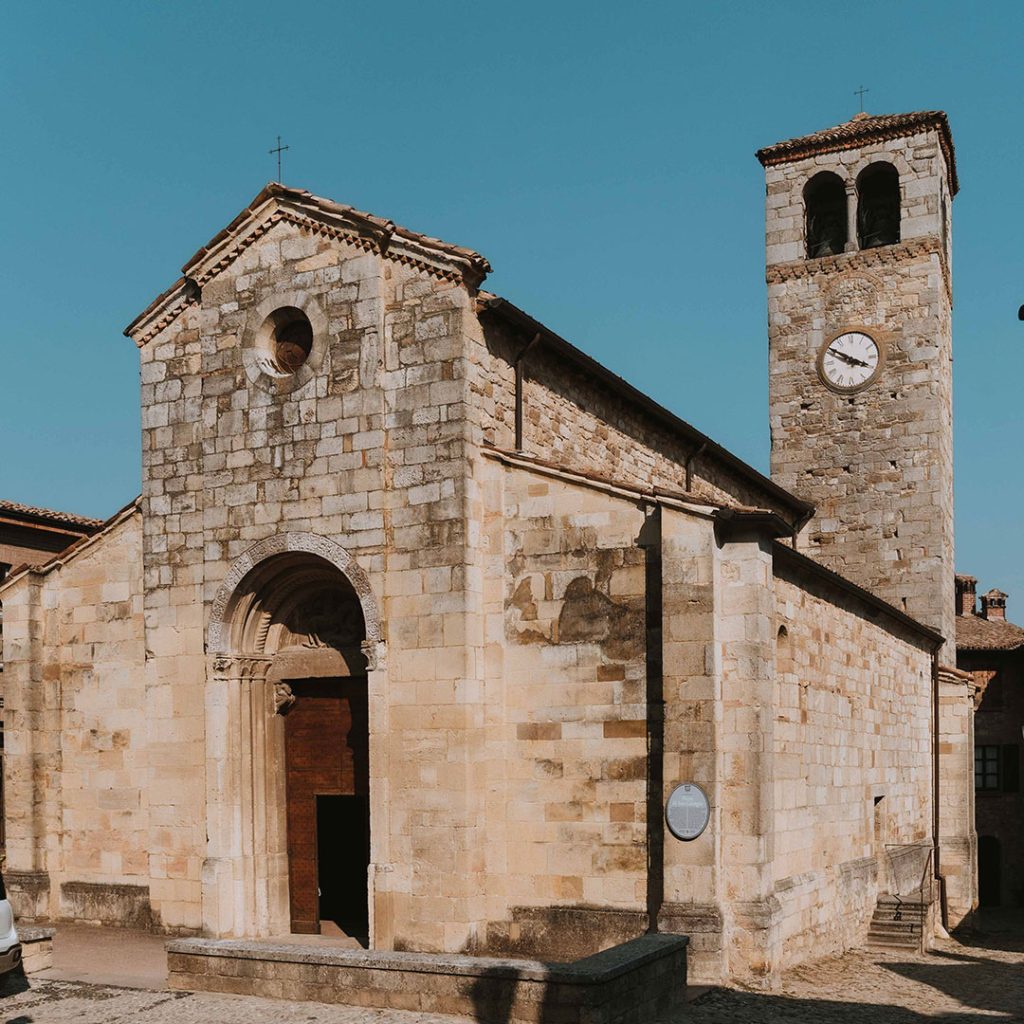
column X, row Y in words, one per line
column 977, row 982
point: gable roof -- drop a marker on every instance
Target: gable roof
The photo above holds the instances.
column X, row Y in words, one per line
column 275, row 203
column 103, row 527
column 49, row 517
column 973, row 633
column 800, row 510
column 863, row 128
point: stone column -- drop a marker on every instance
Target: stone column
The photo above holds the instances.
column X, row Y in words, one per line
column 745, row 591
column 244, row 798
column 851, row 217
column 380, row 870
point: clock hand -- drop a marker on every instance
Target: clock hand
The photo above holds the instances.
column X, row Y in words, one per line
column 852, row 360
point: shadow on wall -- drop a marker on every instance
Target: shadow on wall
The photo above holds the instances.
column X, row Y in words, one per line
column 494, row 993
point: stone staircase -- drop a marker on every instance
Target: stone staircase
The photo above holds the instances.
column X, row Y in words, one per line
column 898, row 922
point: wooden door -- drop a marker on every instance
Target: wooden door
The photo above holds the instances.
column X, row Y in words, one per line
column 326, row 755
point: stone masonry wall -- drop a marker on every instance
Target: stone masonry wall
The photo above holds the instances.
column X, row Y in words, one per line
column 878, row 465
column 575, row 421
column 958, row 840
column 852, row 762
column 367, row 450
column 567, row 679
column 77, row 757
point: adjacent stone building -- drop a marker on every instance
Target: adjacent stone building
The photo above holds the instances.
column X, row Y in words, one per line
column 30, row 535
column 991, row 649
column 423, row 613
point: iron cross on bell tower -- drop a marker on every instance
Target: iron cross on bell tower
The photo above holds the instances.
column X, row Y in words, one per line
column 279, row 150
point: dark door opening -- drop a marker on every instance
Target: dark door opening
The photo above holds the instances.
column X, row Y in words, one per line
column 327, row 786
column 989, row 871
column 343, row 856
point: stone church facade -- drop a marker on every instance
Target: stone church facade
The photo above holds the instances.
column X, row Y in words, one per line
column 420, row 617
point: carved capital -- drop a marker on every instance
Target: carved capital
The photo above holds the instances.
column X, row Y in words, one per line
column 222, row 665
column 226, row 666
column 369, row 649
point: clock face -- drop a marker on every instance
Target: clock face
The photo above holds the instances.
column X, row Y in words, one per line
column 850, row 361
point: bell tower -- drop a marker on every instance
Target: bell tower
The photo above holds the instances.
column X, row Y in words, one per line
column 860, row 351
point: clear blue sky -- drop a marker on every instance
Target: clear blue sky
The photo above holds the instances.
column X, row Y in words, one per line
column 601, row 155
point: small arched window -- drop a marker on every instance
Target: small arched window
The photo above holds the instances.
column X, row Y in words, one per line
column 825, row 211
column 878, row 206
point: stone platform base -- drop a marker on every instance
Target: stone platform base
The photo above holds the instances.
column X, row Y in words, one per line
column 36, row 948
column 628, row 984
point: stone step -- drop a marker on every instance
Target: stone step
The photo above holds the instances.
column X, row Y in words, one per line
column 894, row 928
column 884, row 942
column 898, row 922
column 897, row 915
column 877, row 943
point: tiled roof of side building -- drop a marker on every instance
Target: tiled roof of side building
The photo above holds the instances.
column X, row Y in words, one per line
column 973, row 633
column 48, row 515
column 861, row 129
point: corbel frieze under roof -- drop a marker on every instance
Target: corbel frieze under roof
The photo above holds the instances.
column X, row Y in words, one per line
column 276, row 204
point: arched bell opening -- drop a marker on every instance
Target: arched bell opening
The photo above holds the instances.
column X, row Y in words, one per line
column 825, row 224
column 878, row 206
column 294, row 641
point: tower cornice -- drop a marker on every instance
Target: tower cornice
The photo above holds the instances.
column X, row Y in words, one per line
column 861, row 130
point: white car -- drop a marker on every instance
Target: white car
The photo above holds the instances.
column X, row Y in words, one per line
column 10, row 946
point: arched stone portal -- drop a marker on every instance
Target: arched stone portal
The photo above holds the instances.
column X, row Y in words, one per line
column 295, row 658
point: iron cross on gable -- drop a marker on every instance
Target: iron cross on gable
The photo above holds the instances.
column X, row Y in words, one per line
column 279, row 150
column 856, row 92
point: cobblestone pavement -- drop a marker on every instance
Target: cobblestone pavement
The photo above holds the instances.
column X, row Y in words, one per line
column 978, row 982
column 64, row 1002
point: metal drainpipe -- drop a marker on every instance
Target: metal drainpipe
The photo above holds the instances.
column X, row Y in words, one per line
column 518, row 364
column 651, row 541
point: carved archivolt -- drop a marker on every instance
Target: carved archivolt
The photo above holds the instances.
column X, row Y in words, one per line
column 248, row 591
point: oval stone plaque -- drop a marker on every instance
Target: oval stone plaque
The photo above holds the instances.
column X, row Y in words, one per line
column 687, row 811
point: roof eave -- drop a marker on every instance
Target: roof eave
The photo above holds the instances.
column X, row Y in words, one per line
column 802, row 562
column 73, row 550
column 511, row 313
column 803, row 147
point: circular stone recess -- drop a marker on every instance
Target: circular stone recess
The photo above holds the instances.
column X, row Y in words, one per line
column 284, row 342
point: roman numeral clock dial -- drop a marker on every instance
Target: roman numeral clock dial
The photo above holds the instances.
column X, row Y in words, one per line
column 849, row 362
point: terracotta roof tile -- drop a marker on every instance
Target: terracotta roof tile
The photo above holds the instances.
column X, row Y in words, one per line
column 49, row 515
column 861, row 129
column 973, row 633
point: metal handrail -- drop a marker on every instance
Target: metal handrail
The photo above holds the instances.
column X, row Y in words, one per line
column 923, row 899
column 925, row 876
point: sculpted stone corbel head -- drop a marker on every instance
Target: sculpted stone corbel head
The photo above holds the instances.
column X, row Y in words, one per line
column 283, row 698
